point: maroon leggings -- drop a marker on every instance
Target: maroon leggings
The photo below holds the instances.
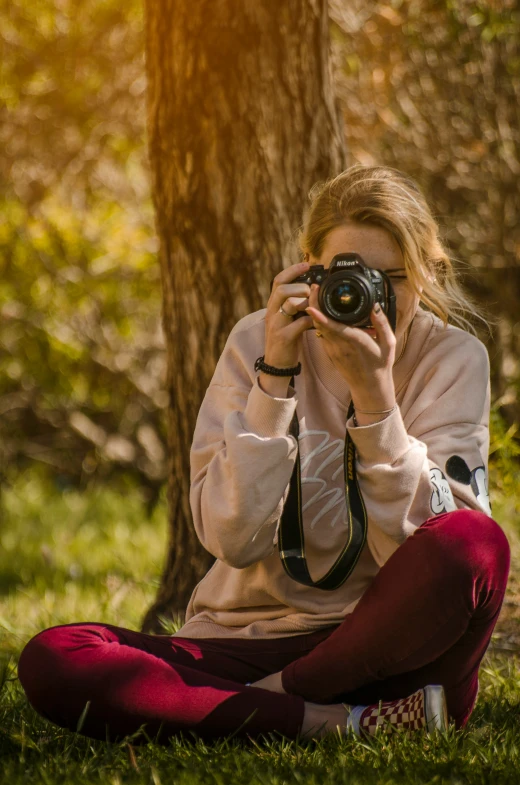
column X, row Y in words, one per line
column 427, row 618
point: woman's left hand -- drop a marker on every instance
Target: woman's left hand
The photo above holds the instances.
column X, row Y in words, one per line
column 364, row 362
column 273, row 683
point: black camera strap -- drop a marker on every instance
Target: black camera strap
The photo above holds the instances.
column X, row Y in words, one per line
column 291, row 542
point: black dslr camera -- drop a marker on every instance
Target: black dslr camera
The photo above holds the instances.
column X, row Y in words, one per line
column 349, row 290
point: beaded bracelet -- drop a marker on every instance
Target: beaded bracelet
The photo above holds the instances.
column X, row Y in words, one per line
column 272, row 371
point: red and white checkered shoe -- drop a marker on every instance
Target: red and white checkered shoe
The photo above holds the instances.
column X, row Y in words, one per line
column 425, row 708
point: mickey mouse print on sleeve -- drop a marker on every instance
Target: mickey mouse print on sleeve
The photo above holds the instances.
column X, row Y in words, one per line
column 458, row 469
column 442, row 497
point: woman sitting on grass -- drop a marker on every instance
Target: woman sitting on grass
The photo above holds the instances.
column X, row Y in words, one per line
column 358, row 573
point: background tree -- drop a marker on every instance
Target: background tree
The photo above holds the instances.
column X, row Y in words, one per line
column 242, row 122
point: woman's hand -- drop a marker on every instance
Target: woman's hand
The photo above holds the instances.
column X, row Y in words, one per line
column 273, row 683
column 365, row 362
column 282, row 333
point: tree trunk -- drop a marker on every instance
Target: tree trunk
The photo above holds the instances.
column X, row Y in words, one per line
column 241, row 123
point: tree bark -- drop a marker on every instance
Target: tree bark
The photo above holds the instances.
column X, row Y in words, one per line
column 241, row 122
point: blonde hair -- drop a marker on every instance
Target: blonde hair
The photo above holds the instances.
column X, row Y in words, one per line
column 385, row 197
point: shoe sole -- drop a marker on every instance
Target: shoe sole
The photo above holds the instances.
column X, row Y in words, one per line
column 435, row 708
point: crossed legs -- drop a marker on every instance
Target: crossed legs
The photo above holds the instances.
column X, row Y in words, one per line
column 426, row 618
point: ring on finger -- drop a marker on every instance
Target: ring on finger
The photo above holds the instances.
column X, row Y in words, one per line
column 318, row 334
column 289, row 315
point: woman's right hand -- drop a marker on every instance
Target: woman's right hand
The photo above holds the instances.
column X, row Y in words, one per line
column 282, row 333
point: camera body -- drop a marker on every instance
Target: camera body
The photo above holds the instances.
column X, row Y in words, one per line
column 349, row 290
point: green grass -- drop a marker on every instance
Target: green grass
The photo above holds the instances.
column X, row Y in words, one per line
column 95, row 556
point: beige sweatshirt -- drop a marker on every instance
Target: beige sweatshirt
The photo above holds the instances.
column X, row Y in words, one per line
column 429, row 456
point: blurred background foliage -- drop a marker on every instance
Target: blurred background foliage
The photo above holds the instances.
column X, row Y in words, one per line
column 82, row 361
column 431, row 87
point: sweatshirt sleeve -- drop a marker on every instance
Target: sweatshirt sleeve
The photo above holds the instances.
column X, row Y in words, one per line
column 241, row 459
column 437, row 461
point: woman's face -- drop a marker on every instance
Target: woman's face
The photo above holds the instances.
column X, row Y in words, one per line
column 379, row 250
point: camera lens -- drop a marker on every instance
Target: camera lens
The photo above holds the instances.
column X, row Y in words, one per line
column 345, row 298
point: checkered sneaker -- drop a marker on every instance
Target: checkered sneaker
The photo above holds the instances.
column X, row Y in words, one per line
column 425, row 708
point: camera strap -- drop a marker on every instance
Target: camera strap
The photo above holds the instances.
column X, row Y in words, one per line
column 291, row 543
